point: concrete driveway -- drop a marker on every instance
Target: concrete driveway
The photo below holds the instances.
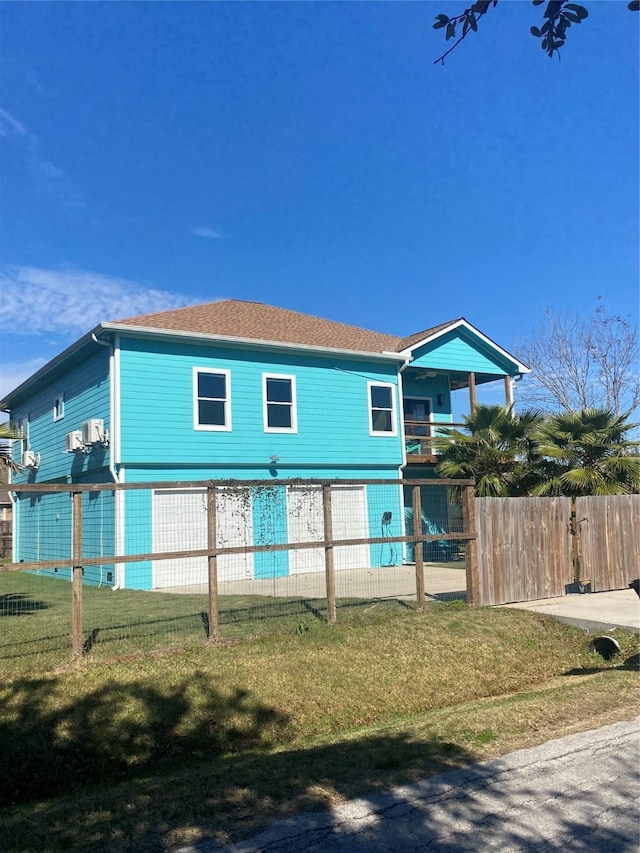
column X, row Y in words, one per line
column 595, row 611
column 576, row 793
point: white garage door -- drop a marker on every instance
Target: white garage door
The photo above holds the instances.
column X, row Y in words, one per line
column 305, row 524
column 180, row 524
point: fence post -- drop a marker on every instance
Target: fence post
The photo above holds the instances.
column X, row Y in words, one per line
column 471, row 554
column 418, row 547
column 328, row 554
column 575, row 551
column 76, row 617
column 212, row 564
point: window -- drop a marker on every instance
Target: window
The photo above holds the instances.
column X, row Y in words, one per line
column 279, row 400
column 58, row 408
column 212, row 399
column 23, row 426
column 382, row 409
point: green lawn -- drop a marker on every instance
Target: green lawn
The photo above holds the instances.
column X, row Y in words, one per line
column 151, row 752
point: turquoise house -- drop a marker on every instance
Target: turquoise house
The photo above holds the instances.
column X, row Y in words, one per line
column 234, row 390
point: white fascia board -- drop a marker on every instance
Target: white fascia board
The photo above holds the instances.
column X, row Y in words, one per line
column 253, row 343
column 522, row 368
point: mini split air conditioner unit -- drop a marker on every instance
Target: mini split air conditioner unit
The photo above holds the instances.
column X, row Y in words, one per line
column 93, row 432
column 74, row 441
column 30, row 459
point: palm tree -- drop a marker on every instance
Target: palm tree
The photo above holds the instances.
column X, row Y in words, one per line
column 499, row 451
column 8, row 431
column 587, row 453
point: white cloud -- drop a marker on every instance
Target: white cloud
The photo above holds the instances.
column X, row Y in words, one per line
column 15, row 372
column 10, row 125
column 72, row 301
column 208, row 233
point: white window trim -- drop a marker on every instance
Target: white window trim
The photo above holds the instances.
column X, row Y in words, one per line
column 394, row 417
column 58, row 403
column 227, row 403
column 293, row 404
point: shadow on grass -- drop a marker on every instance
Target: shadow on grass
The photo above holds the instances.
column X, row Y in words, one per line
column 19, row 604
column 631, row 663
column 55, row 744
column 192, row 764
column 131, row 762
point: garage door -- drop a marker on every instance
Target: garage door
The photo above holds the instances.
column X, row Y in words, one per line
column 180, row 524
column 305, row 524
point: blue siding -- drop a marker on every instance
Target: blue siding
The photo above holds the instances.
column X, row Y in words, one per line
column 460, row 350
column 138, row 537
column 332, row 407
column 270, row 528
column 45, row 531
column 44, row 528
column 382, row 500
column 85, row 386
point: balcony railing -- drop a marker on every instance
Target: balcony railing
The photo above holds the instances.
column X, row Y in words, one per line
column 418, row 439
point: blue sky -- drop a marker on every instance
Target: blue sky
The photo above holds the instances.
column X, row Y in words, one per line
column 311, row 156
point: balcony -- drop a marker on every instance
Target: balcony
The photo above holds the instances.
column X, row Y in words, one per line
column 418, row 441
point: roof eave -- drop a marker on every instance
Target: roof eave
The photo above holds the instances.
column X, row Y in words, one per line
column 256, row 343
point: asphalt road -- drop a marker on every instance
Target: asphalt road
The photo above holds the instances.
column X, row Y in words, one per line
column 577, row 793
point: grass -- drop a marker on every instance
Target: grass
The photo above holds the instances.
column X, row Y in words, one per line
column 37, row 627
column 156, row 751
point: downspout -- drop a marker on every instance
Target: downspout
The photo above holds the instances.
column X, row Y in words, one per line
column 114, row 424
column 14, row 503
column 402, row 368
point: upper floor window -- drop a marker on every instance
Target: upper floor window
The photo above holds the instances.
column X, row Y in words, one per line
column 382, row 409
column 58, row 408
column 279, row 402
column 212, row 399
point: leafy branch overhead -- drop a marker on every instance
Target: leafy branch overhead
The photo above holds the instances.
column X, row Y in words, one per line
column 558, row 17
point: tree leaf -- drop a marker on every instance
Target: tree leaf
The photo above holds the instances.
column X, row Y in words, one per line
column 571, row 16
column 580, row 11
column 536, row 32
column 634, row 6
column 538, row 2
column 473, row 23
column 451, row 31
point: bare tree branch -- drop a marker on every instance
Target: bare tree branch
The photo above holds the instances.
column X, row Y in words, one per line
column 582, row 363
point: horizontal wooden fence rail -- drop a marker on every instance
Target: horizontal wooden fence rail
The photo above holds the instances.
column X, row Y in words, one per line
column 237, row 549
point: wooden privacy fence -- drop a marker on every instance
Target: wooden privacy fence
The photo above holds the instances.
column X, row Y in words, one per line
column 609, row 540
column 530, row 548
column 78, row 558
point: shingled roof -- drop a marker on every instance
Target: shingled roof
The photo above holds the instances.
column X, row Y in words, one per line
column 234, row 318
